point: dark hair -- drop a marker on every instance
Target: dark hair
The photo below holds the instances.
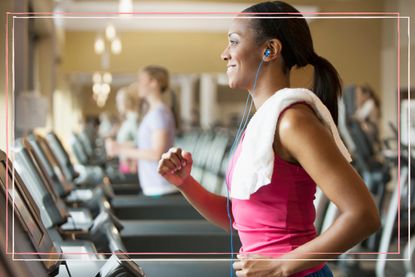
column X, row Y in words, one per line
column 297, row 48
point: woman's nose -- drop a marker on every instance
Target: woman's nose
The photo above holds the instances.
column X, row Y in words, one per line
column 225, row 54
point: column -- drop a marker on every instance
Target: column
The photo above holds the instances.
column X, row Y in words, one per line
column 187, row 99
column 208, row 99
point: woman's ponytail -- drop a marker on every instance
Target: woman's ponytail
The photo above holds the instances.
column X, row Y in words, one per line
column 327, row 84
column 297, row 48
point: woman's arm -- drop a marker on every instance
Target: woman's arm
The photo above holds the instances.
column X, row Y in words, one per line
column 210, row 206
column 312, row 145
column 309, row 142
column 175, row 167
column 159, row 141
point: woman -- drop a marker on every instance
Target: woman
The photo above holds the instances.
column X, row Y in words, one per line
column 277, row 219
column 127, row 105
column 368, row 113
column 155, row 134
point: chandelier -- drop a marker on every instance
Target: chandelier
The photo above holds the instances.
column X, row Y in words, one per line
column 101, row 87
column 104, row 45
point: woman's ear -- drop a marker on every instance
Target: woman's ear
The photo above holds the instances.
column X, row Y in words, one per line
column 273, row 47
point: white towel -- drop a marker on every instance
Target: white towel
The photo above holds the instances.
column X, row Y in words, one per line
column 255, row 164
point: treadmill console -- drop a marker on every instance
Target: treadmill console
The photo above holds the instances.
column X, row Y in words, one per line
column 119, row 264
column 26, row 215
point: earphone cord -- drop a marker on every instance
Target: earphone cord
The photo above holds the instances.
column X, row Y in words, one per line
column 242, row 124
column 241, row 128
column 244, row 121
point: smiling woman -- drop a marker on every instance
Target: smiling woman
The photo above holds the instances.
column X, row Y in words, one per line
column 241, row 54
column 283, row 192
column 290, row 145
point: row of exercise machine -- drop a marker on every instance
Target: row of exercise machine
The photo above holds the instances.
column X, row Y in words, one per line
column 79, row 224
column 80, row 220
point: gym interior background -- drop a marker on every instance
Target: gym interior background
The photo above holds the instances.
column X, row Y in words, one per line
column 67, row 72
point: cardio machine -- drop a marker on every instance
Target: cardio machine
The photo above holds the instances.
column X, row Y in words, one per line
column 31, row 240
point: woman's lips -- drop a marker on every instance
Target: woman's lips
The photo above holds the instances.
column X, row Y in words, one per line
column 230, row 67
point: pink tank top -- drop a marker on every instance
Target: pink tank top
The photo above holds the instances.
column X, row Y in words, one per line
column 279, row 217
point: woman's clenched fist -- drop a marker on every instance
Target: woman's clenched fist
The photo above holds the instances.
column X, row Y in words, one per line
column 175, row 166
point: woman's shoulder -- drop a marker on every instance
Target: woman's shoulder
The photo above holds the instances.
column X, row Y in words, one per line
column 161, row 108
column 297, row 120
column 298, row 128
column 164, row 111
column 297, row 115
column 160, row 116
column 157, row 111
column 293, row 122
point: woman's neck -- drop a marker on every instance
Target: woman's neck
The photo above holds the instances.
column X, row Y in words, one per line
column 154, row 100
column 267, row 86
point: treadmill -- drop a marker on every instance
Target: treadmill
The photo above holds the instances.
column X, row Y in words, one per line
column 91, row 198
column 32, row 241
column 168, row 225
column 86, row 155
column 91, row 265
column 135, row 206
column 29, row 235
column 103, row 230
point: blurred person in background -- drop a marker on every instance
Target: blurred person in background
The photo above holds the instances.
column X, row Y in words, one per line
column 108, row 125
column 155, row 134
column 127, row 102
column 368, row 113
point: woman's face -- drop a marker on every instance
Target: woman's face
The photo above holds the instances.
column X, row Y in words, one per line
column 144, row 84
column 242, row 54
column 361, row 97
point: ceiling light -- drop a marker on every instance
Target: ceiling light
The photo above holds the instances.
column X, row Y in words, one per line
column 107, row 77
column 99, row 46
column 101, row 101
column 105, row 88
column 125, row 6
column 110, row 32
column 96, row 78
column 116, row 46
column 96, row 88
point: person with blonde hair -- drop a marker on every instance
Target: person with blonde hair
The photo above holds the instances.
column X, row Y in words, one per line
column 127, row 103
column 156, row 132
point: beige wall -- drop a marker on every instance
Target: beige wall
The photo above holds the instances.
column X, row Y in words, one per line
column 45, row 72
column 353, row 46
column 360, row 49
column 180, row 52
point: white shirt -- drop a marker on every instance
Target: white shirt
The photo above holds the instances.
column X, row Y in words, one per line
column 151, row 182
